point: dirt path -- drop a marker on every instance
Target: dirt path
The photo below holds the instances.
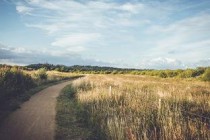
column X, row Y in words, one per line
column 35, row 120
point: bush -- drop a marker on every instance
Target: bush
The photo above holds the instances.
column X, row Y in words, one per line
column 162, row 74
column 107, row 72
column 114, row 72
column 186, row 74
column 199, row 71
column 206, row 75
column 13, row 83
column 171, row 73
column 41, row 74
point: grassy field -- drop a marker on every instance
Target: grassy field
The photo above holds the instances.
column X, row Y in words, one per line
column 128, row 107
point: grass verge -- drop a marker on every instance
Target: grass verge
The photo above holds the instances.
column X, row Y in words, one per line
column 70, row 124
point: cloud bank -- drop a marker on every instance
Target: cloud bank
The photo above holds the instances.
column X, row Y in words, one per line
column 22, row 56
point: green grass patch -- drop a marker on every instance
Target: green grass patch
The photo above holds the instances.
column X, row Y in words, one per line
column 69, row 120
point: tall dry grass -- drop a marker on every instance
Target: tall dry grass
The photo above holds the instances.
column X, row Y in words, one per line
column 123, row 107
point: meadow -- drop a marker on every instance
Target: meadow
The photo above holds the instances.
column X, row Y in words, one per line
column 132, row 107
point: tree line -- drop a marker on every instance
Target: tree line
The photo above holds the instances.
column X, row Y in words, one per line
column 199, row 72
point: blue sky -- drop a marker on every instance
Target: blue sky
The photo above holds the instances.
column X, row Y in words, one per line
column 159, row 34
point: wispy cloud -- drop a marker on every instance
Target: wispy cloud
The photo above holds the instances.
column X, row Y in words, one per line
column 188, row 39
column 74, row 25
column 75, row 40
column 22, row 9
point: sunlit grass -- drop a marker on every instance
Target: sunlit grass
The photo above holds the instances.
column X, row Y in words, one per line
column 139, row 107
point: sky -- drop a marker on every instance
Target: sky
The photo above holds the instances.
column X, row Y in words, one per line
column 152, row 34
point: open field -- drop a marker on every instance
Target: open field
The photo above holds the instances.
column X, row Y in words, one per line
column 119, row 107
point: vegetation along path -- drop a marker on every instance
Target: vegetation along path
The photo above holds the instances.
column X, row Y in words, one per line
column 35, row 120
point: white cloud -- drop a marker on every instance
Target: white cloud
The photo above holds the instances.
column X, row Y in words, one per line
column 131, row 7
column 22, row 9
column 202, row 63
column 52, row 28
column 75, row 42
column 188, row 25
column 20, row 50
column 10, row 62
column 44, row 4
column 161, row 63
column 84, row 15
column 190, row 35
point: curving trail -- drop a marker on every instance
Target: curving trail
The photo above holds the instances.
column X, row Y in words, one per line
column 35, row 120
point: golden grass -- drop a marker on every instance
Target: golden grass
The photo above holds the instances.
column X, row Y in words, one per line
column 139, row 107
column 52, row 75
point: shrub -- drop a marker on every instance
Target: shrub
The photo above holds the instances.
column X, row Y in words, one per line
column 162, row 74
column 13, row 82
column 171, row 73
column 114, row 72
column 199, row 71
column 41, row 74
column 107, row 72
column 206, row 75
column 120, row 72
column 186, row 74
